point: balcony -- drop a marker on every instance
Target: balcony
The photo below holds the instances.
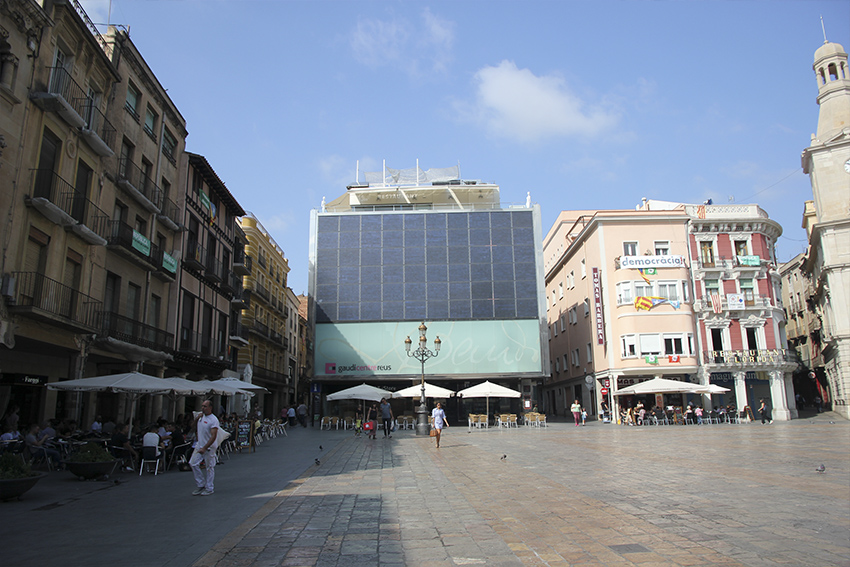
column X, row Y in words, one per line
column 261, row 260
column 59, row 202
column 35, row 295
column 195, row 255
column 213, row 270
column 761, row 359
column 166, row 264
column 98, row 132
column 276, row 337
column 239, row 334
column 241, row 262
column 747, row 302
column 271, row 375
column 134, row 181
column 241, row 299
column 260, row 328
column 261, row 290
column 130, row 243
column 170, row 215
column 130, row 331
column 200, row 344
column 63, row 96
column 229, row 282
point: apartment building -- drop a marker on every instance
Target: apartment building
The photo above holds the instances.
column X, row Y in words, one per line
column 619, row 306
column 827, row 222
column 271, row 320
column 208, row 302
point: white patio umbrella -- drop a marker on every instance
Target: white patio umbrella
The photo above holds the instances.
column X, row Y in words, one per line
column 431, row 391
column 659, row 386
column 362, row 392
column 196, row 388
column 712, row 389
column 488, row 390
column 134, row 384
column 223, row 387
column 241, row 384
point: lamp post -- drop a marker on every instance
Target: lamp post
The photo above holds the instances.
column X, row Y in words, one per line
column 422, row 354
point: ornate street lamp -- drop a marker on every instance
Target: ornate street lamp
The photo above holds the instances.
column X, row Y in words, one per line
column 422, row 354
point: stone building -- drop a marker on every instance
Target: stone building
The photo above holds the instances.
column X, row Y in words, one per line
column 827, row 222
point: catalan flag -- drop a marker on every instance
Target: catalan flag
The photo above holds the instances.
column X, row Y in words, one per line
column 644, row 303
column 643, row 275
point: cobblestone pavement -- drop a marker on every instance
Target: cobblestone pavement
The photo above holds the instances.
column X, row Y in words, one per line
column 731, row 495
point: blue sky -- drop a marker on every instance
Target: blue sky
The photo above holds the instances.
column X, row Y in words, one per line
column 587, row 105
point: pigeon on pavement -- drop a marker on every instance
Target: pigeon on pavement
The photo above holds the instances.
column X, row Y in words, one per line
column 318, row 462
column 821, row 469
column 504, row 457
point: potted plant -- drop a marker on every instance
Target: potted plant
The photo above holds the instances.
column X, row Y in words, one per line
column 91, row 461
column 16, row 476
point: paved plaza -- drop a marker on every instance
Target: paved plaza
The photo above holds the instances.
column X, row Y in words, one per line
column 732, row 495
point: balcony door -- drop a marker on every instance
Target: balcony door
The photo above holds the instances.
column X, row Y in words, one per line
column 717, row 344
column 47, row 161
column 81, row 193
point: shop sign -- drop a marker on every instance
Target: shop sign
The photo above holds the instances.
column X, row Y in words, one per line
column 643, row 262
column 24, row 379
column 597, row 302
column 753, row 261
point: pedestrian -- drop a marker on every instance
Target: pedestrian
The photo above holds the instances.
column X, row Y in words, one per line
column 290, row 413
column 440, row 421
column 605, row 417
column 358, row 423
column 206, row 432
column 372, row 420
column 387, row 417
column 302, row 414
column 583, row 416
column 576, row 409
column 764, row 412
column 818, row 404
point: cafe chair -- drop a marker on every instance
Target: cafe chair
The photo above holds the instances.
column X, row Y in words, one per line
column 178, row 452
column 149, row 456
column 326, row 422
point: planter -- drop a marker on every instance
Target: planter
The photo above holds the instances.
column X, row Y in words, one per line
column 15, row 487
column 89, row 471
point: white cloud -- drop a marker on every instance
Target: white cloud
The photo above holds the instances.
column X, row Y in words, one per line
column 516, row 104
column 416, row 48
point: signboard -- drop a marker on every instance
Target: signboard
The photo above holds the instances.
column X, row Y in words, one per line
column 494, row 348
column 754, row 261
column 597, row 302
column 169, row 263
column 141, row 243
column 638, row 262
column 735, row 300
column 316, row 387
column 24, row 379
column 244, row 434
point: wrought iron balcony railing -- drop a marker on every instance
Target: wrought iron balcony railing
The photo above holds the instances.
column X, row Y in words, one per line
column 135, row 332
column 36, row 293
column 48, row 185
column 131, row 177
column 745, row 358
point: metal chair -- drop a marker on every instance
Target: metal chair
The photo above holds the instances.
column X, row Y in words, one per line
column 149, row 455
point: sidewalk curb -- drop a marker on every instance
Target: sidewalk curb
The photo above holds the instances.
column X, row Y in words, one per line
column 232, row 539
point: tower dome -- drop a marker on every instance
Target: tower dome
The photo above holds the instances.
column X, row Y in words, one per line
column 833, row 77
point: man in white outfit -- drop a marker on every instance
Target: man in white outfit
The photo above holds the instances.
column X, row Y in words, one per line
column 206, row 426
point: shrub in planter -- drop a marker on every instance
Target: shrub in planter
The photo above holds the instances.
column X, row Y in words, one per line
column 16, row 477
column 91, row 461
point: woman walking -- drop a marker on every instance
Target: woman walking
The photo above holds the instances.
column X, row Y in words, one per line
column 439, row 421
column 764, row 412
column 576, row 409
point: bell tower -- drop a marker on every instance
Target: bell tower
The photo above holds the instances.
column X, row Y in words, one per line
column 833, row 78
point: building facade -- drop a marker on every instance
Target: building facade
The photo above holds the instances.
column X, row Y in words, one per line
column 271, row 320
column 827, row 222
column 619, row 304
column 414, row 246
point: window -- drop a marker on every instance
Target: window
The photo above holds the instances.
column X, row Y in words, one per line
column 131, row 104
column 673, row 344
column 586, row 307
column 8, row 67
column 554, row 297
column 572, row 279
column 643, row 289
column 650, row 343
column 624, row 293
column 583, row 268
column 134, row 301
column 197, row 183
column 747, row 290
column 125, row 159
column 150, row 123
column 662, row 247
column 630, row 248
column 706, row 254
column 169, row 145
column 563, row 323
column 741, row 247
column 669, row 290
column 589, row 353
column 573, row 316
column 557, row 365
column 629, row 346
column 711, row 286
column 561, row 290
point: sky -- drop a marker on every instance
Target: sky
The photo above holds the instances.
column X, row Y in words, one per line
column 586, row 105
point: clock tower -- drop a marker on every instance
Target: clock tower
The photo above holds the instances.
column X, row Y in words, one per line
column 827, row 222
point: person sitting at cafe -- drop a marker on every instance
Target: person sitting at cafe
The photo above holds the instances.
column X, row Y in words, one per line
column 49, row 430
column 10, row 434
column 177, row 442
column 689, row 414
column 152, row 439
column 121, row 445
column 37, row 446
column 108, row 427
column 97, row 425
